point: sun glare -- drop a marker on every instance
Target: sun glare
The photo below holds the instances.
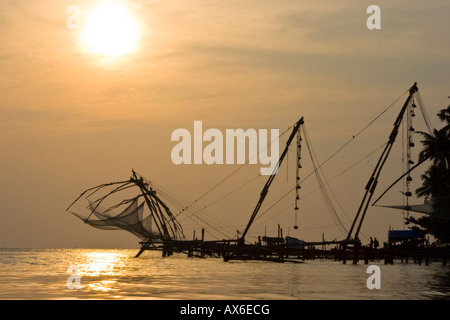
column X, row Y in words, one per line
column 110, row 30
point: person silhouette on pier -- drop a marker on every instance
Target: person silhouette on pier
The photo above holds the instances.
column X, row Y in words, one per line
column 376, row 243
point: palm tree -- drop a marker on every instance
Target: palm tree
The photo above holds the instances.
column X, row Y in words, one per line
column 436, row 147
column 434, row 183
column 444, row 116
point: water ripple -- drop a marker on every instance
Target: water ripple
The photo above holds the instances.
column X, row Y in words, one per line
column 115, row 274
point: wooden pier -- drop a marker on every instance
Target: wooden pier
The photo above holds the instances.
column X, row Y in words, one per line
column 278, row 250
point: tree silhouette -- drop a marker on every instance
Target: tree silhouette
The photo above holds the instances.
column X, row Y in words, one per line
column 433, row 183
column 444, row 115
column 436, row 181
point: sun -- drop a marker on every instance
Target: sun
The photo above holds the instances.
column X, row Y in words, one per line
column 110, row 29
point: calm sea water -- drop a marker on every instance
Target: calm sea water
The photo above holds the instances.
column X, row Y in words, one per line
column 115, row 274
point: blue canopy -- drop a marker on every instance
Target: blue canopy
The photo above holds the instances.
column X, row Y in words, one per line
column 402, row 234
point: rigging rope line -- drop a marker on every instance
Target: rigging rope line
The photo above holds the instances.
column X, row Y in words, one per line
column 350, row 167
column 273, row 205
column 310, row 174
column 424, row 113
column 180, row 202
column 229, row 175
column 232, row 191
column 311, row 192
column 361, row 131
column 325, row 195
column 328, row 184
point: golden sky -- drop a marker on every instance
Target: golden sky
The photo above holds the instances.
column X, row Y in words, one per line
column 71, row 118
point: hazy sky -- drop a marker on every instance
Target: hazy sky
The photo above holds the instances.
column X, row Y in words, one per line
column 71, row 119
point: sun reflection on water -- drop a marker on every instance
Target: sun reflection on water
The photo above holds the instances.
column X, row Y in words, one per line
column 101, row 263
column 115, row 274
column 98, row 270
column 103, row 286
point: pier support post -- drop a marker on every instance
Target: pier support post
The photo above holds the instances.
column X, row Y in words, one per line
column 388, row 259
column 203, row 239
column 355, row 254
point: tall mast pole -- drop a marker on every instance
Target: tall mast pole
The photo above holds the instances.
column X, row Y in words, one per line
column 373, row 181
column 270, row 180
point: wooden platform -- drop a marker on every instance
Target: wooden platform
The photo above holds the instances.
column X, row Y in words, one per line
column 231, row 250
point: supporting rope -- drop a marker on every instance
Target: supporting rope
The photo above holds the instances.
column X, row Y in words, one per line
column 230, row 175
column 325, row 194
